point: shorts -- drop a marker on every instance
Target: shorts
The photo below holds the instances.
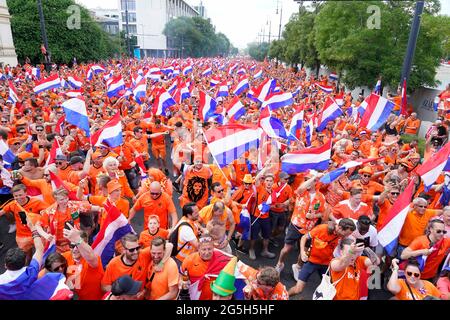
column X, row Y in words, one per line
column 309, row 268
column 25, row 243
column 262, row 225
column 159, row 151
column 292, row 235
column 278, row 219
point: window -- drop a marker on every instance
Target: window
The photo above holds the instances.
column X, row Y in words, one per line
column 131, row 17
column 131, row 5
column 132, row 29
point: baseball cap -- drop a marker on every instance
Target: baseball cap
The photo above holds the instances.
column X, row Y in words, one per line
column 113, row 185
column 76, row 159
column 283, row 175
column 125, row 285
column 61, row 157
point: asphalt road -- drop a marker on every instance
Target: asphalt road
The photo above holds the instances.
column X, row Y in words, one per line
column 286, row 275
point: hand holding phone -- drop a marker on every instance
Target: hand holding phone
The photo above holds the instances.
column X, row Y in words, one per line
column 23, row 217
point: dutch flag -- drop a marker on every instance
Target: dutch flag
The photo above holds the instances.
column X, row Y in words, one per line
column 49, row 83
column 76, row 114
column 111, row 133
column 377, row 111
column 307, row 159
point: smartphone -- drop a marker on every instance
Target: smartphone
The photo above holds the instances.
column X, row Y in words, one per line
column 23, row 217
column 364, row 241
column 68, row 223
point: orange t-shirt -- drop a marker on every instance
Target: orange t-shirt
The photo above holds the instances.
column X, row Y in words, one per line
column 412, row 126
column 196, row 267
column 302, row 206
column 145, row 238
column 343, row 210
column 323, row 245
column 284, row 196
column 32, row 208
column 158, row 283
column 405, row 294
column 414, row 226
column 431, row 265
column 138, row 271
column 385, row 207
column 203, row 174
column 261, row 196
column 348, row 287
column 84, row 277
column 162, row 207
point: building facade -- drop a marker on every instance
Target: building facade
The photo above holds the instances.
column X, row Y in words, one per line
column 7, row 49
column 147, row 19
column 108, row 19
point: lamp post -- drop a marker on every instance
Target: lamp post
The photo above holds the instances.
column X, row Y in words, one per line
column 44, row 35
column 127, row 28
column 281, row 17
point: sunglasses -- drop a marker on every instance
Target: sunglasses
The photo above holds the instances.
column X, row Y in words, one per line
column 39, row 130
column 155, row 193
column 219, row 191
column 133, row 249
column 395, row 193
column 366, row 175
column 71, row 246
column 61, row 267
column 17, row 143
column 59, row 162
column 410, row 274
column 441, row 231
column 4, row 121
column 21, row 132
column 421, row 206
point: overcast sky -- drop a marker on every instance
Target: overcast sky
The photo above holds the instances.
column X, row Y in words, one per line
column 241, row 20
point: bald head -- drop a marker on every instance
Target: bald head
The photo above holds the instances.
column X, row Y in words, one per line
column 155, row 187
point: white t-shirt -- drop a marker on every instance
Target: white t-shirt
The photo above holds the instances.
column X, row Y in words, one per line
column 185, row 234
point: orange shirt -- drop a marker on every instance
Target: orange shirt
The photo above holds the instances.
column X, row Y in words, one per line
column 46, row 189
column 189, row 187
column 412, row 126
column 140, row 145
column 284, row 196
column 86, row 279
column 343, row 210
column 159, row 283
column 64, row 174
column 302, row 206
column 348, row 287
column 159, row 140
column 138, row 271
column 162, row 207
column 33, row 207
column 414, row 226
column 145, row 238
column 196, row 267
column 323, row 245
column 385, row 207
column 431, row 265
column 405, row 294
column 128, row 155
column 261, row 196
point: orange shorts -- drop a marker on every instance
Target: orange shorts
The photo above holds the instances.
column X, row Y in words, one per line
column 159, row 151
column 25, row 243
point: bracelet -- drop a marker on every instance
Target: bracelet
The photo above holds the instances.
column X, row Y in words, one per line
column 79, row 242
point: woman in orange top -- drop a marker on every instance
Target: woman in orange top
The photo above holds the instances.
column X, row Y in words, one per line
column 411, row 288
column 346, row 270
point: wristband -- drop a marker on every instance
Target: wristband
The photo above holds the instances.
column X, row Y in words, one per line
column 79, row 242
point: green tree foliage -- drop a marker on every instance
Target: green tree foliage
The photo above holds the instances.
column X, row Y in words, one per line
column 258, row 51
column 87, row 43
column 196, row 37
column 336, row 34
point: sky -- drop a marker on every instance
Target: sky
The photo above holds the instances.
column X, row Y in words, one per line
column 242, row 20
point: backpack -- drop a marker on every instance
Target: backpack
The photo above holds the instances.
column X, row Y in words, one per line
column 173, row 239
column 327, row 289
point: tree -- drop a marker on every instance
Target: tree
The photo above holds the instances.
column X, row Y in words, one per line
column 258, row 51
column 277, row 49
column 346, row 44
column 87, row 43
column 196, row 37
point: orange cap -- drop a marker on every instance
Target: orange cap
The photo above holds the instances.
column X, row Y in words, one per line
column 113, row 185
column 356, row 185
column 367, row 170
column 24, row 155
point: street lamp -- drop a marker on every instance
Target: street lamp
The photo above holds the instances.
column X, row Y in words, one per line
column 281, row 17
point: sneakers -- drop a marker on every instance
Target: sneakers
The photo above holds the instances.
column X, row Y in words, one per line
column 268, row 254
column 296, row 270
column 251, row 254
column 274, row 243
column 279, row 267
column 12, row 228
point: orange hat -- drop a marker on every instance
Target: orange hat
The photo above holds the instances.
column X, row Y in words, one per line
column 113, row 185
column 21, row 122
column 356, row 185
column 366, row 169
column 24, row 155
column 13, row 140
column 406, row 163
column 350, row 127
